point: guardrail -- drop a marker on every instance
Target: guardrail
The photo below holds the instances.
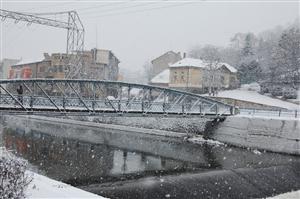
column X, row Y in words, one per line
column 270, row 113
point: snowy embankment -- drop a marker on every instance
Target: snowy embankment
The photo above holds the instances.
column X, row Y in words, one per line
column 44, row 187
column 20, row 182
column 277, row 135
column 289, row 195
column 254, row 96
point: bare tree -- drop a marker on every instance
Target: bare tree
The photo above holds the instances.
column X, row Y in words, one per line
column 148, row 70
column 211, row 56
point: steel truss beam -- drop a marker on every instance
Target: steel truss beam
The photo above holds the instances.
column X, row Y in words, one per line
column 105, row 96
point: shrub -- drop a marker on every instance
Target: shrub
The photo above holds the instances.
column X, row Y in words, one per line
column 13, row 179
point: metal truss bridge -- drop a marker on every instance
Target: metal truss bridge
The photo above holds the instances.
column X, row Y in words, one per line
column 67, row 96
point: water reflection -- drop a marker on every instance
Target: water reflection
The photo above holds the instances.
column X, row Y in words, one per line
column 134, row 165
column 78, row 162
column 83, row 163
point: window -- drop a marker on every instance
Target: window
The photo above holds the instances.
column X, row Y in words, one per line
column 222, row 80
column 42, row 69
column 175, row 78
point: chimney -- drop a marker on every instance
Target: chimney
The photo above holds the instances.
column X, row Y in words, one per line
column 46, row 56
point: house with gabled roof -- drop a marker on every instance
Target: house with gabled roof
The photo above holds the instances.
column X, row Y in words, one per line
column 162, row 62
column 193, row 75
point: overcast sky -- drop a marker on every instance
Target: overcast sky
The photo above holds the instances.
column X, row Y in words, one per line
column 137, row 31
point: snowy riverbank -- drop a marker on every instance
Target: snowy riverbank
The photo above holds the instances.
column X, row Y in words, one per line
column 255, row 97
column 44, row 187
column 289, row 195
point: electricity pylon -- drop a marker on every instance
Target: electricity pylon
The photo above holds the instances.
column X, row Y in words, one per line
column 75, row 35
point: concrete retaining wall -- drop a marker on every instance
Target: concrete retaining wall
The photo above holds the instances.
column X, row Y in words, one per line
column 277, row 135
column 191, row 125
column 137, row 139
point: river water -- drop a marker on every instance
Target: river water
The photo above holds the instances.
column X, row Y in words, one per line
column 119, row 172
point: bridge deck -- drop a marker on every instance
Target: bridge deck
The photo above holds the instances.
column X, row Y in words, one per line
column 66, row 96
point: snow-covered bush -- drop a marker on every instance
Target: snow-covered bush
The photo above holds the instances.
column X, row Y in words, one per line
column 254, row 86
column 13, row 179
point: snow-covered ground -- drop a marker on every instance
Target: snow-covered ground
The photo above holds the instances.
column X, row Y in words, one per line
column 254, row 96
column 44, row 187
column 200, row 140
column 268, row 115
column 289, row 195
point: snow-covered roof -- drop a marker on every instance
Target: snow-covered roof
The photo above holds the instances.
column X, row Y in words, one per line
column 27, row 61
column 162, row 77
column 229, row 67
column 189, row 62
column 167, row 53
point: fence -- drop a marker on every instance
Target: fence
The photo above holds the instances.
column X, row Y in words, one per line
column 270, row 113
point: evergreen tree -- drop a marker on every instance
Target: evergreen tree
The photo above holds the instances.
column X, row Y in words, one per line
column 248, row 48
column 249, row 69
column 287, row 56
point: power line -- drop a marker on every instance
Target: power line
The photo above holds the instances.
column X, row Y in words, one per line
column 52, row 6
column 126, row 7
column 143, row 10
column 64, row 3
column 105, row 5
column 87, row 9
column 144, row 6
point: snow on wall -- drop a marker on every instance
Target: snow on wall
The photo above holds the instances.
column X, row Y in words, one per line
column 277, row 135
column 183, row 125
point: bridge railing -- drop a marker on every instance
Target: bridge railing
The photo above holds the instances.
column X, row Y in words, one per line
column 270, row 113
column 96, row 96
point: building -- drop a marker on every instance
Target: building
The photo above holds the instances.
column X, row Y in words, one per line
column 99, row 64
column 162, row 62
column 54, row 66
column 193, row 75
column 29, row 69
column 161, row 79
column 5, row 65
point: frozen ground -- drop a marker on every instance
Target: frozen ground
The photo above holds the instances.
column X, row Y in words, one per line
column 43, row 187
column 254, row 96
column 289, row 195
